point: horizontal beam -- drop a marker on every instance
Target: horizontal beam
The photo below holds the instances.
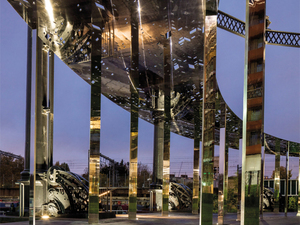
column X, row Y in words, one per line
column 282, row 38
column 10, row 155
column 231, row 24
column 273, row 37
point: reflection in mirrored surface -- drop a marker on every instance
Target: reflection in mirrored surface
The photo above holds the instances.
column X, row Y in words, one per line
column 253, row 126
column 134, row 114
column 69, row 37
column 95, row 39
column 277, row 175
column 167, row 118
column 287, row 178
column 94, row 70
column 223, row 156
column 298, row 214
column 197, row 136
column 209, row 112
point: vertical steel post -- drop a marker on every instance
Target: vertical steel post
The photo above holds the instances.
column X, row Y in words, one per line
column 208, row 112
column 298, row 213
column 151, row 201
column 134, row 86
column 226, row 158
column 239, row 174
column 25, row 174
column 41, row 124
column 51, row 108
column 110, row 200
column 262, row 177
column 38, row 193
column 222, row 159
column 95, row 117
column 167, row 121
column 277, row 175
column 253, row 110
column 158, row 146
column 197, row 133
column 287, row 179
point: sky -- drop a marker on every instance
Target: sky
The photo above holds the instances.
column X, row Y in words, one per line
column 72, row 95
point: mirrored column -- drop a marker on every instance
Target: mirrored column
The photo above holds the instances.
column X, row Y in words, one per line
column 262, row 177
column 253, row 110
column 25, row 174
column 134, row 111
column 51, row 108
column 95, row 119
column 158, row 146
column 287, row 179
column 197, row 134
column 209, row 112
column 42, row 110
column 298, row 213
column 277, row 175
column 167, row 121
column 221, row 112
column 233, row 140
column 239, row 174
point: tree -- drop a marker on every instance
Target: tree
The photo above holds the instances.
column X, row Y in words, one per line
column 64, row 165
column 122, row 174
column 86, row 174
column 282, row 173
column 143, row 174
column 10, row 170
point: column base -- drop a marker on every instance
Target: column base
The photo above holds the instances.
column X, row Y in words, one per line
column 93, row 219
column 132, row 215
column 195, row 212
column 165, row 213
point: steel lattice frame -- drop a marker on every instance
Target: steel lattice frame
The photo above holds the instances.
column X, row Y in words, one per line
column 283, row 38
column 10, row 155
column 236, row 26
column 231, row 24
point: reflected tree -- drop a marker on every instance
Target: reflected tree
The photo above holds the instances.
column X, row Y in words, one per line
column 64, row 166
column 282, row 173
column 10, row 170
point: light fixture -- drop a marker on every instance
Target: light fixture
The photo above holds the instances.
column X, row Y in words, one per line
column 45, row 217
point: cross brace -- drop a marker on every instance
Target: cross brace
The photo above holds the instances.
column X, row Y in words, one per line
column 236, row 26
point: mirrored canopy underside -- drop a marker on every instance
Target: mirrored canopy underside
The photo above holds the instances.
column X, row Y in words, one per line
column 66, row 28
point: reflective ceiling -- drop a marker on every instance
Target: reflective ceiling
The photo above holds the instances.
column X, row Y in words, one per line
column 66, row 27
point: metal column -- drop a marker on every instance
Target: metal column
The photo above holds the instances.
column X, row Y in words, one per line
column 42, row 110
column 158, row 115
column 222, row 161
column 197, row 133
column 208, row 112
column 25, row 174
column 287, row 179
column 41, row 129
column 167, row 121
column 253, row 110
column 95, row 119
column 262, row 178
column 298, row 213
column 134, row 111
column 51, row 108
column 277, row 175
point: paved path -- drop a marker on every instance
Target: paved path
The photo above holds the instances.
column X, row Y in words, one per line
column 173, row 219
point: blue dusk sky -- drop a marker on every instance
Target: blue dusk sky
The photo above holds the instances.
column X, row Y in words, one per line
column 72, row 95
